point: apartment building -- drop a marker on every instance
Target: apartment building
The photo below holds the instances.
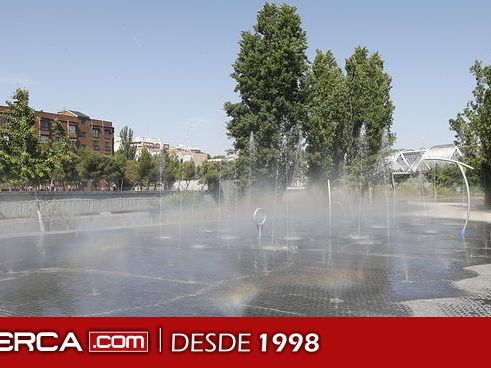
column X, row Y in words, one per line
column 85, row 132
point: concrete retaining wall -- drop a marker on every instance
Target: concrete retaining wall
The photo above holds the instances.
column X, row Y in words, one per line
column 76, row 204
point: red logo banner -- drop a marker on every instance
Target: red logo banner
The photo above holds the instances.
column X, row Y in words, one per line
column 257, row 342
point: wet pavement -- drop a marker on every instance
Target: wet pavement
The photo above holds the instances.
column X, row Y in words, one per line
column 301, row 269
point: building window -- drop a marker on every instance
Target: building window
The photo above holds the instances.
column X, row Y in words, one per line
column 96, row 132
column 95, row 145
column 107, row 133
column 107, row 146
column 45, row 124
column 72, row 129
column 82, row 134
column 44, row 138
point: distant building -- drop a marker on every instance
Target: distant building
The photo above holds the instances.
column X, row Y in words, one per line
column 117, row 143
column 153, row 145
column 84, row 132
column 229, row 157
column 187, row 154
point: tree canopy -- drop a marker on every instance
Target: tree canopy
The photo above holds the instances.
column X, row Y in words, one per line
column 127, row 149
column 60, row 157
column 268, row 72
column 20, row 157
column 371, row 111
column 327, row 127
column 341, row 120
column 473, row 127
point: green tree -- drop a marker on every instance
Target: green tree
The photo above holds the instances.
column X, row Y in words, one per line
column 187, row 172
column 209, row 175
column 20, row 158
column 169, row 169
column 131, row 173
column 95, row 168
column 146, row 167
column 92, row 167
column 445, row 176
column 154, row 175
column 473, row 128
column 60, row 157
column 327, row 129
column 127, row 149
column 371, row 109
column 115, row 169
column 141, row 170
column 268, row 72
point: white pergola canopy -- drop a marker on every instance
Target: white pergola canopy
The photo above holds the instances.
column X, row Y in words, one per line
column 409, row 161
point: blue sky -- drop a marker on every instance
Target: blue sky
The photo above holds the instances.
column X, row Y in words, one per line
column 163, row 67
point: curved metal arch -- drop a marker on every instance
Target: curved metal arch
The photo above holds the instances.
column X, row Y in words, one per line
column 461, row 166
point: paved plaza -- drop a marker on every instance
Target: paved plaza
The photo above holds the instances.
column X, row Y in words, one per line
column 415, row 266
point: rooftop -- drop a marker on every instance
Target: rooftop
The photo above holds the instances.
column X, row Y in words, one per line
column 75, row 113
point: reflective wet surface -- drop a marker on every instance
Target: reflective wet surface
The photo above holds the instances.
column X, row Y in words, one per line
column 358, row 269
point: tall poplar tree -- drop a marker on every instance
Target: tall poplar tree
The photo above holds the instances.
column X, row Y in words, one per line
column 326, row 129
column 268, row 72
column 127, row 149
column 371, row 109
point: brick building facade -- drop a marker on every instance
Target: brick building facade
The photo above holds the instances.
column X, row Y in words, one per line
column 92, row 134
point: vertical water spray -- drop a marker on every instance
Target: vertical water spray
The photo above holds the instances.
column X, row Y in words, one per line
column 279, row 159
column 179, row 222
column 252, row 160
column 394, row 203
column 384, row 170
column 39, row 215
column 405, row 266
column 193, row 203
column 287, row 223
column 361, row 154
column 387, row 215
column 275, row 189
column 423, row 199
column 161, row 179
column 330, row 219
column 329, row 205
column 219, row 215
column 236, row 198
column 284, row 170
